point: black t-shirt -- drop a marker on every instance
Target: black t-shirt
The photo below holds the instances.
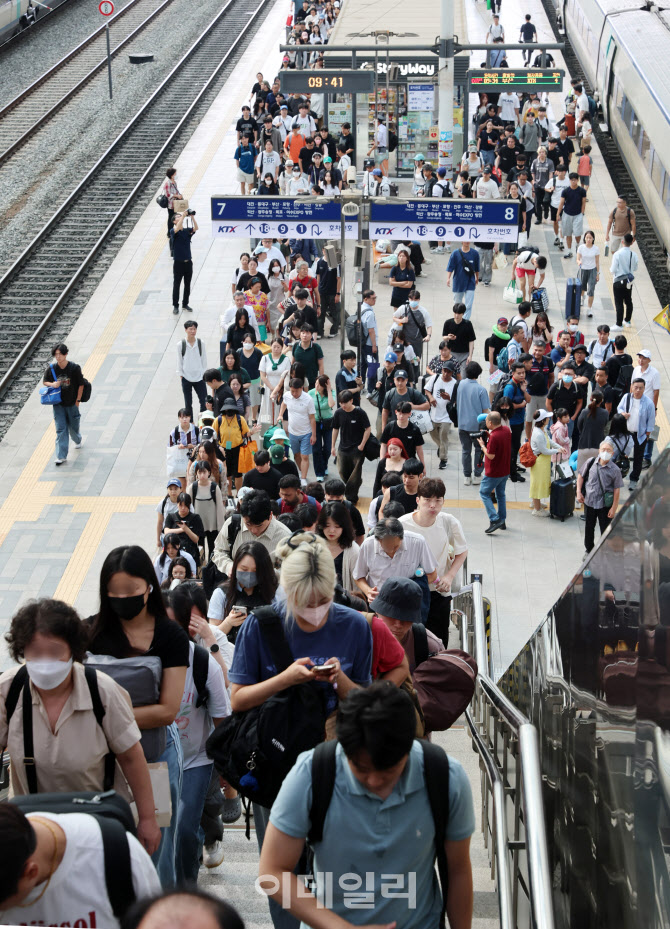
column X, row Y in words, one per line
column 527, row 32
column 565, row 149
column 170, row 643
column 356, row 518
column 488, row 141
column 242, row 598
column 351, row 428
column 181, row 244
column 221, row 394
column 305, row 156
column 70, row 378
column 194, row 523
column 410, row 437
column 566, row 397
column 497, row 344
column 247, row 127
column 572, row 197
column 585, row 369
column 613, row 366
column 243, row 283
column 464, row 332
column 538, row 377
column 399, row 495
column 327, row 277
column 349, row 142
column 286, row 467
column 267, row 481
column 507, row 158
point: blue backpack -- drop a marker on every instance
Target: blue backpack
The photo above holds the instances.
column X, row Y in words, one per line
column 502, row 360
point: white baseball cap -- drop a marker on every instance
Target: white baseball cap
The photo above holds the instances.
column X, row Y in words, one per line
column 644, row 352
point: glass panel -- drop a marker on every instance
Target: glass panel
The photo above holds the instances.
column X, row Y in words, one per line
column 657, row 173
column 646, row 151
column 618, row 93
column 636, row 131
column 595, row 680
column 626, row 111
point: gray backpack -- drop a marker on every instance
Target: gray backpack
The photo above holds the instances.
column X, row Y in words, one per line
column 141, row 677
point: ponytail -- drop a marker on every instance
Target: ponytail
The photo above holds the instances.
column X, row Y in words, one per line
column 594, row 403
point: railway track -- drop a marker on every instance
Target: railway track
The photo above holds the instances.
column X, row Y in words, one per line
column 21, row 35
column 23, row 116
column 652, row 249
column 46, row 288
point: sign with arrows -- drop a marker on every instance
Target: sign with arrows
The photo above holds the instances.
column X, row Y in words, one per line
column 445, row 220
column 282, row 217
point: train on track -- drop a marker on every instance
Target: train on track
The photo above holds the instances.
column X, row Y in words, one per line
column 623, row 47
column 19, row 15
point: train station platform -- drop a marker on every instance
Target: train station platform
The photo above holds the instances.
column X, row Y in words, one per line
column 58, row 524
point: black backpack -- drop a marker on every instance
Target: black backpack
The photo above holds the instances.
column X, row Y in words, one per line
column 253, row 750
column 212, row 490
column 502, row 384
column 183, row 347
column 200, row 672
column 393, row 140
column 623, row 382
column 210, row 575
column 436, row 773
column 115, row 819
column 20, row 686
column 175, row 434
column 352, row 327
column 86, row 392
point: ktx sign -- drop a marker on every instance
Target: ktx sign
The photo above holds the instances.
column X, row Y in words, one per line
column 450, row 220
column 284, row 217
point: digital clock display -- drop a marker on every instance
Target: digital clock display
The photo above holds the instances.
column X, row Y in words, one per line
column 328, row 82
column 496, row 79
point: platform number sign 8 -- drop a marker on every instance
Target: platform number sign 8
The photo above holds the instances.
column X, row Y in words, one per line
column 509, row 213
column 106, row 7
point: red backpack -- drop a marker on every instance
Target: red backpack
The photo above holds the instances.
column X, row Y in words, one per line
column 444, row 683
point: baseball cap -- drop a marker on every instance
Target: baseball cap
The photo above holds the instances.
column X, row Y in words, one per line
column 174, row 482
column 276, row 453
column 442, row 171
column 398, row 347
column 419, row 156
column 580, row 348
column 289, row 163
column 487, row 169
column 402, row 374
column 450, row 366
column 503, row 320
column 378, row 172
column 389, row 356
column 242, row 492
column 283, row 107
column 644, row 352
column 328, row 158
column 543, row 414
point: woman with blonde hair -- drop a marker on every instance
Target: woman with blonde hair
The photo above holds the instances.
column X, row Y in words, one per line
column 319, row 634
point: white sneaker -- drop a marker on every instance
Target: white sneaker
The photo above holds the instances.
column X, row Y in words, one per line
column 59, row 461
column 476, row 479
column 467, row 481
column 428, row 261
column 81, row 443
column 616, row 328
column 539, row 513
column 212, row 855
column 627, row 325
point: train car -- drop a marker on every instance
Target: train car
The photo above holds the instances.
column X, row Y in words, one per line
column 17, row 15
column 624, row 52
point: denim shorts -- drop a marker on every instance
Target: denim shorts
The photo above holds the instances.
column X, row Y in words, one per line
column 301, row 444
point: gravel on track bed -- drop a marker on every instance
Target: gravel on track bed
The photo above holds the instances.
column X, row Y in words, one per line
column 48, row 42
column 37, row 179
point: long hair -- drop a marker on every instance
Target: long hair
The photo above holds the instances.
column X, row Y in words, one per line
column 338, row 512
column 132, row 560
column 266, row 579
column 183, row 598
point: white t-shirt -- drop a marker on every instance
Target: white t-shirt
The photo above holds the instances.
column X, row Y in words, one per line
column 651, row 378
column 599, row 353
column 434, row 386
column 306, row 123
column 382, row 136
column 588, row 256
column 299, row 412
column 487, row 190
column 633, row 420
column 284, row 125
column 508, row 104
column 557, row 186
column 195, row 723
column 520, row 321
column 76, row 895
column 267, row 162
column 445, row 539
column 583, row 103
column 525, row 260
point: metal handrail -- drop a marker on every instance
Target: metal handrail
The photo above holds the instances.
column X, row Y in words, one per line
column 526, row 737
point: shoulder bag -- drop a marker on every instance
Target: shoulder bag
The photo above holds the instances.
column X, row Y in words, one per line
column 49, row 396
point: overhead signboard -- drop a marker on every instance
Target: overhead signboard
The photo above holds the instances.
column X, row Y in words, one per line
column 329, row 82
column 544, row 79
column 446, row 220
column 284, row 217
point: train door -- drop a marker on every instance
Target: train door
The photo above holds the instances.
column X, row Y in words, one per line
column 608, row 79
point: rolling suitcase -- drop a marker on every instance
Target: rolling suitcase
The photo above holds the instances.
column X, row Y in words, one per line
column 562, row 498
column 573, row 297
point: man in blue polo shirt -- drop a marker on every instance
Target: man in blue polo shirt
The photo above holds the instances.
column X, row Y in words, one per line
column 519, row 397
column 464, row 266
column 381, row 870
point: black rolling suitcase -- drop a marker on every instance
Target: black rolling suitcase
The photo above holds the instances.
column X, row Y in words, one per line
column 562, row 497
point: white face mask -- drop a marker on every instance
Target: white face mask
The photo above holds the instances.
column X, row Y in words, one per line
column 572, row 328
column 314, row 615
column 605, row 456
column 47, row 675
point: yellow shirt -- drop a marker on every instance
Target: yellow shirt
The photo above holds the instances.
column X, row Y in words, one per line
column 228, row 430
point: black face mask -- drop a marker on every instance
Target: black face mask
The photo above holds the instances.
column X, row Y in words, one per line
column 127, row 607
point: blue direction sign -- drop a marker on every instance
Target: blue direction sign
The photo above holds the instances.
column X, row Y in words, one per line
column 446, row 220
column 254, row 217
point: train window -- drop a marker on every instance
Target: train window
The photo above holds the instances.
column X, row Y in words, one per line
column 626, row 112
column 636, row 131
column 618, row 93
column 657, row 173
column 646, row 151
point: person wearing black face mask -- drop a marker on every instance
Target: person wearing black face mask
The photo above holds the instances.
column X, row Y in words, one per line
column 252, row 583
column 132, row 622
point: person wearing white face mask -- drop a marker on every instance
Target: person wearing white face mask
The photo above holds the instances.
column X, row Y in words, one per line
column 73, row 750
column 417, row 326
column 599, row 484
column 335, row 637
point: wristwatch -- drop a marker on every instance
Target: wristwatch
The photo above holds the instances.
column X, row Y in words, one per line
column 214, row 648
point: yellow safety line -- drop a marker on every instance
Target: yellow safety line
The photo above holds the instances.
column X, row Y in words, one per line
column 82, row 557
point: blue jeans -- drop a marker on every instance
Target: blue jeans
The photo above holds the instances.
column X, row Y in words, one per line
column 468, row 298
column 488, row 158
column 322, row 447
column 164, row 857
column 281, row 918
column 190, row 834
column 486, row 488
column 648, row 449
column 67, row 419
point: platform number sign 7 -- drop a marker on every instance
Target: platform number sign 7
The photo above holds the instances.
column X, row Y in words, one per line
column 222, row 207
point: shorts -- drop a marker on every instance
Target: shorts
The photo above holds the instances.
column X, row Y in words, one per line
column 523, row 272
column 244, row 178
column 535, row 404
column 301, row 444
column 381, row 156
column 232, row 460
column 554, row 213
column 588, row 279
column 585, row 179
column 572, row 225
